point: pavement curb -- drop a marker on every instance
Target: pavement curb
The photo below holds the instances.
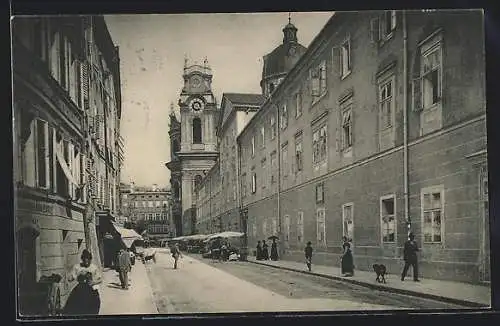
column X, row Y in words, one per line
column 466, row 303
column 151, row 292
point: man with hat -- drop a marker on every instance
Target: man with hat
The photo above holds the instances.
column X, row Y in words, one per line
column 410, row 257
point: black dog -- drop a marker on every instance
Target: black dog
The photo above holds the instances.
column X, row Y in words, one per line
column 380, row 270
column 150, row 257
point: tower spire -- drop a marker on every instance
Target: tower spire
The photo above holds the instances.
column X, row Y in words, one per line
column 289, row 18
column 172, row 108
column 185, row 60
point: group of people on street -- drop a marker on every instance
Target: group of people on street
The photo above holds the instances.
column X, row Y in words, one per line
column 347, row 261
column 262, row 252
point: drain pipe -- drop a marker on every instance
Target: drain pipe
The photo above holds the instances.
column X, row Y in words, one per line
column 405, row 122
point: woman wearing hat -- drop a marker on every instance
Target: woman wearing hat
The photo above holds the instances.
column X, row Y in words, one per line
column 84, row 299
column 308, row 251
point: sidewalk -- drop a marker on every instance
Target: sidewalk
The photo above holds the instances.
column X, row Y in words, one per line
column 138, row 299
column 476, row 296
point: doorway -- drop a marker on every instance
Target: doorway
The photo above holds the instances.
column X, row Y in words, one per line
column 29, row 296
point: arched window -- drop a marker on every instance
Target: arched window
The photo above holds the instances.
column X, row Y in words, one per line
column 196, row 131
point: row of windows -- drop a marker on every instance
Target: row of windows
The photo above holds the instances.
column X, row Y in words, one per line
column 151, row 216
column 158, row 228
column 145, row 204
column 426, row 87
column 432, row 207
column 50, row 162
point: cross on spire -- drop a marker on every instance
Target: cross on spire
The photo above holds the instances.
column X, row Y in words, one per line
column 289, row 17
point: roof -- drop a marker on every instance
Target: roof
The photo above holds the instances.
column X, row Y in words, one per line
column 238, row 99
column 279, row 61
column 245, row 98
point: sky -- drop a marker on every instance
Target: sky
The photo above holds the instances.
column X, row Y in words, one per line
column 152, row 52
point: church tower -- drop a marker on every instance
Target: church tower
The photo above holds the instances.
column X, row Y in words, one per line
column 198, row 150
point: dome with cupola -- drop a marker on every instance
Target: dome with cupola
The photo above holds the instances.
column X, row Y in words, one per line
column 281, row 60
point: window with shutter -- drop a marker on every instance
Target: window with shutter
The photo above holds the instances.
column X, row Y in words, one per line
column 345, row 54
column 375, row 30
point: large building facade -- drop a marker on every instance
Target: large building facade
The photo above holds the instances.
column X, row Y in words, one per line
column 54, row 204
column 381, row 131
column 377, row 130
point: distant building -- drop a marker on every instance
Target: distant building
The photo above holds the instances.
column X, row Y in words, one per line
column 150, row 206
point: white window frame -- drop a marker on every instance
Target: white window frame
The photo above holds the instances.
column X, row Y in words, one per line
column 321, row 226
column 346, row 140
column 284, row 117
column 254, row 182
column 389, row 15
column 253, row 146
column 284, row 160
column 345, row 232
column 273, row 127
column 321, row 156
column 254, row 229
column 382, row 216
column 287, row 228
column 432, row 190
column 298, row 104
column 263, row 136
column 435, row 44
column 299, row 153
column 264, row 227
column 273, row 167
column 382, row 85
column 264, row 172
column 345, row 62
column 300, row 227
column 274, row 226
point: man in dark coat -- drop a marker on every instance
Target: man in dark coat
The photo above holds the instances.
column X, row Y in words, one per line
column 274, row 250
column 410, row 257
column 265, row 250
column 308, row 251
column 124, row 266
column 258, row 254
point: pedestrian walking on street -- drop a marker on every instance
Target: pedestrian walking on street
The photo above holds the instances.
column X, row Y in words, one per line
column 124, row 267
column 223, row 251
column 258, row 254
column 84, row 299
column 176, row 254
column 308, row 251
column 410, row 257
column 265, row 251
column 347, row 263
column 274, row 250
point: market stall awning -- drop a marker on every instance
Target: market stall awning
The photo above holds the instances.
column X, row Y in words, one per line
column 128, row 242
column 126, row 233
column 227, row 234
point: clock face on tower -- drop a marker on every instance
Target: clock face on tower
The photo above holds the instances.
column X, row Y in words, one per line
column 196, row 104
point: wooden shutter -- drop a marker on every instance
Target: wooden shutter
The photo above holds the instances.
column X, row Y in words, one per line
column 85, row 84
column 417, row 94
column 375, row 30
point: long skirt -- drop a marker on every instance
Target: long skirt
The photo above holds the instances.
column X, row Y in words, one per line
column 83, row 300
column 347, row 266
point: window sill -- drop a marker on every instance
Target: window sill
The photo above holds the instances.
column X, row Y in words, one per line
column 347, row 151
column 298, row 116
column 347, row 74
column 317, row 100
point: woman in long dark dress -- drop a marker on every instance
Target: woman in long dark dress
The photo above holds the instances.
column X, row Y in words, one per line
column 84, row 299
column 274, row 250
column 347, row 268
column 258, row 254
column 265, row 251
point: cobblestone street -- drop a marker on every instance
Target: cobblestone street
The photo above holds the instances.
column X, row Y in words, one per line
column 203, row 286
